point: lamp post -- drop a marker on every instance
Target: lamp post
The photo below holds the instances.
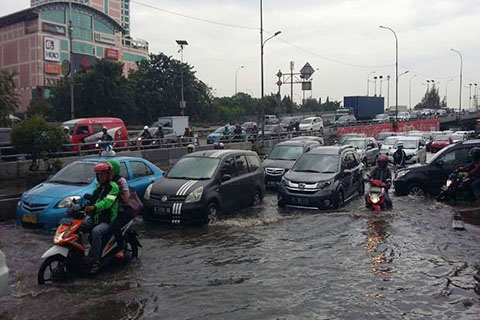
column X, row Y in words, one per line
column 470, row 99
column 236, row 74
column 475, row 96
column 183, row 105
column 381, row 82
column 396, row 72
column 410, row 92
column 70, row 57
column 375, row 83
column 461, row 71
column 262, row 44
column 368, row 82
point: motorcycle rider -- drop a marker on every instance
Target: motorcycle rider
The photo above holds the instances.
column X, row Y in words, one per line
column 146, row 135
column 383, row 173
column 159, row 134
column 472, row 171
column 122, row 218
column 218, row 145
column 190, row 148
column 106, row 137
column 102, row 212
column 399, row 156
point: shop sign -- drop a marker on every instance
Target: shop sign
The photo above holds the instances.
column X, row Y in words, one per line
column 54, row 28
column 51, row 49
column 52, row 68
column 111, row 54
column 104, row 38
column 51, row 82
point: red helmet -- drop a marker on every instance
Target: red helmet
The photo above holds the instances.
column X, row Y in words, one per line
column 104, row 167
column 382, row 161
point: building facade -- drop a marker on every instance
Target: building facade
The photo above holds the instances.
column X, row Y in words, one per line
column 34, row 42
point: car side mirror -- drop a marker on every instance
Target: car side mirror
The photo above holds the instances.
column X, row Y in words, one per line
column 226, row 177
column 439, row 164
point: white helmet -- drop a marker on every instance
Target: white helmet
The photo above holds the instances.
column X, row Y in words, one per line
column 66, row 128
column 145, row 128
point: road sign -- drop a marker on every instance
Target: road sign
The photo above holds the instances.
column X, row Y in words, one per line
column 66, row 68
column 307, row 71
column 307, row 85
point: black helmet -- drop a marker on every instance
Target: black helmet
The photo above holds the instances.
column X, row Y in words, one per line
column 474, row 153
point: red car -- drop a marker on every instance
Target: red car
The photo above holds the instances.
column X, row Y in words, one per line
column 440, row 142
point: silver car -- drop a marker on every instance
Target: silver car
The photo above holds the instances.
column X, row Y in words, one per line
column 3, row 274
column 413, row 146
column 367, row 149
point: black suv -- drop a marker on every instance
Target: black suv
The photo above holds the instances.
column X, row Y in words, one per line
column 419, row 179
column 203, row 185
column 324, row 177
column 282, row 158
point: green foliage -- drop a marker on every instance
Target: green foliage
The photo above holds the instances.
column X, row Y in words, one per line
column 8, row 97
column 431, row 100
column 39, row 106
column 34, row 136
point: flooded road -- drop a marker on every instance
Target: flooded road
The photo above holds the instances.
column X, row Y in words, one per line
column 267, row 263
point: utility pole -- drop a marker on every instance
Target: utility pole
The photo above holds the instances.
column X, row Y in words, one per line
column 461, row 76
column 70, row 80
column 292, row 66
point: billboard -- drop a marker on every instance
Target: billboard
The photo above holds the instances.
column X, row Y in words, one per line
column 111, row 54
column 372, row 130
column 51, row 47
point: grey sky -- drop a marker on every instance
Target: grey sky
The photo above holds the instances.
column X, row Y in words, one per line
column 340, row 30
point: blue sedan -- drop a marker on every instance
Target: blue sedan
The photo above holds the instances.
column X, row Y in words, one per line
column 218, row 135
column 45, row 204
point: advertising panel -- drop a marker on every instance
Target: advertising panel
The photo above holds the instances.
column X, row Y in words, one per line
column 54, row 28
column 111, row 54
column 51, row 48
column 104, row 38
column 372, row 130
column 52, row 68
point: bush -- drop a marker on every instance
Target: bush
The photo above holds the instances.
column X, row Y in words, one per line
column 35, row 137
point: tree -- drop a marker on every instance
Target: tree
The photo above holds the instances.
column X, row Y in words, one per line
column 431, row 100
column 40, row 106
column 100, row 90
column 8, row 97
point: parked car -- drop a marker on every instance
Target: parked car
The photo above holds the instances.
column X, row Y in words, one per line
column 271, row 119
column 440, row 142
column 367, row 149
column 275, row 130
column 381, row 118
column 314, row 138
column 202, row 186
column 345, row 120
column 457, row 137
column 431, row 176
column 416, row 114
column 387, row 145
column 414, row 148
column 249, row 127
column 403, row 116
column 80, row 129
column 282, row 157
column 290, row 122
column 384, row 135
column 325, row 177
column 312, row 124
column 3, row 274
column 45, row 204
column 441, row 112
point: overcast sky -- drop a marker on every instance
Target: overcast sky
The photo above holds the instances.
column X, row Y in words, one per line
column 340, row 38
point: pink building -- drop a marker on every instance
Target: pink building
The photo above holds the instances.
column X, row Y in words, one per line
column 34, row 42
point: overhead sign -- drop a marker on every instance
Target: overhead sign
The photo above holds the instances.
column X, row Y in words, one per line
column 54, row 28
column 104, row 38
column 52, row 68
column 112, row 54
column 51, row 48
column 307, row 71
column 307, row 85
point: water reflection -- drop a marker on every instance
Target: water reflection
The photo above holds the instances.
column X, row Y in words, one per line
column 377, row 233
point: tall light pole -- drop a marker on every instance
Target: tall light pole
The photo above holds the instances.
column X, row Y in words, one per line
column 368, row 82
column 410, row 92
column 375, row 83
column 396, row 72
column 183, row 105
column 262, row 44
column 381, row 82
column 470, row 99
column 70, row 79
column 236, row 74
column 461, row 72
column 475, row 96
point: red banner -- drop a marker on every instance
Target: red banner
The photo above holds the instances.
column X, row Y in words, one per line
column 112, row 54
column 372, row 130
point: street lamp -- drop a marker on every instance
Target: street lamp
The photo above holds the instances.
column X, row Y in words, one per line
column 183, row 105
column 236, row 74
column 262, row 44
column 410, row 92
column 375, row 83
column 461, row 71
column 368, row 81
column 396, row 72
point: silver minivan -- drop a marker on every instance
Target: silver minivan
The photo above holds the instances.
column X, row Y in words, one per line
column 367, row 149
column 413, row 146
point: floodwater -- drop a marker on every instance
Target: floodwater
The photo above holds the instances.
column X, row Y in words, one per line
column 267, row 263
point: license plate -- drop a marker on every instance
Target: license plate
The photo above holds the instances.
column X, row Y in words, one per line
column 273, row 183
column 30, row 218
column 300, row 201
column 163, row 210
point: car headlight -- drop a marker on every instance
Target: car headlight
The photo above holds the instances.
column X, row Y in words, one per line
column 146, row 195
column 449, row 182
column 68, row 201
column 323, row 184
column 402, row 173
column 285, row 181
column 195, row 195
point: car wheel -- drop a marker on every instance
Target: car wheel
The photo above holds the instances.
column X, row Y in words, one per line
column 339, row 201
column 416, row 189
column 257, row 198
column 213, row 212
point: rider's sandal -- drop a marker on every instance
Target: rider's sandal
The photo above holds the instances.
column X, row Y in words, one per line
column 120, row 255
column 94, row 268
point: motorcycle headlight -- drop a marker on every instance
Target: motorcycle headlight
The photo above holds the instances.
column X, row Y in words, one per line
column 68, row 201
column 195, row 195
column 402, row 173
column 449, row 182
column 148, row 191
column 375, row 199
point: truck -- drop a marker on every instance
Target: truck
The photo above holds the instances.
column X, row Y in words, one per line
column 177, row 123
column 364, row 107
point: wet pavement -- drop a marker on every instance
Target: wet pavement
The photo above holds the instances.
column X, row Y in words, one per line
column 269, row 263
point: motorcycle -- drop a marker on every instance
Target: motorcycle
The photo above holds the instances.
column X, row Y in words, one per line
column 67, row 257
column 456, row 189
column 375, row 198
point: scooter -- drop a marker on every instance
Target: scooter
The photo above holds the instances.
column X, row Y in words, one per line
column 456, row 189
column 375, row 198
column 67, row 256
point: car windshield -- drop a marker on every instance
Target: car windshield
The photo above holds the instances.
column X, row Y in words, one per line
column 77, row 173
column 439, row 154
column 286, row 153
column 306, row 121
column 220, row 130
column 270, row 128
column 407, row 144
column 380, row 116
column 317, row 163
column 457, row 137
column 194, row 168
column 360, row 144
column 415, row 134
column 389, row 141
column 383, row 135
